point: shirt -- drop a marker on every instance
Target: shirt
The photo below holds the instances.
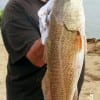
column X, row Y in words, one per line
column 19, row 31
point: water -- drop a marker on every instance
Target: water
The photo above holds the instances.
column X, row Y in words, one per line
column 92, row 13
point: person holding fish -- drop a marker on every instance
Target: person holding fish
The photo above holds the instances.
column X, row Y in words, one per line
column 24, row 34
column 23, row 42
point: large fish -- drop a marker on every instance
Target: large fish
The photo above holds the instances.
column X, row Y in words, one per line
column 65, row 47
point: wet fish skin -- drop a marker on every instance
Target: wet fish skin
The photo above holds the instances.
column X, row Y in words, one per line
column 65, row 49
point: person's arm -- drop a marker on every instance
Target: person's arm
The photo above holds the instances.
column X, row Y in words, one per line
column 23, row 38
column 36, row 53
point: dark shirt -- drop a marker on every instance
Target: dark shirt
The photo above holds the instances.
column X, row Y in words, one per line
column 20, row 30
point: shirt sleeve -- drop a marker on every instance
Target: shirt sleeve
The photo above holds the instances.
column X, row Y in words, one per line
column 20, row 35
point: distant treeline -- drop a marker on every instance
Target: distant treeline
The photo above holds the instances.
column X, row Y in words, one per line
column 1, row 13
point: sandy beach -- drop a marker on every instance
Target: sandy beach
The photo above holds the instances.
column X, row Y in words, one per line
column 91, row 86
column 3, row 63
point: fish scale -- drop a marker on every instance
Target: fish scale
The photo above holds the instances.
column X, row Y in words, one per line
column 65, row 49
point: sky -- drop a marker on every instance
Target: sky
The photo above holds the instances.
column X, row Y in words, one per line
column 3, row 3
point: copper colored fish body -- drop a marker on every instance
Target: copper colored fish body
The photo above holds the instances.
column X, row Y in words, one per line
column 65, row 49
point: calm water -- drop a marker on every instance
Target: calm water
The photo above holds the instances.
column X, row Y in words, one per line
column 92, row 13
